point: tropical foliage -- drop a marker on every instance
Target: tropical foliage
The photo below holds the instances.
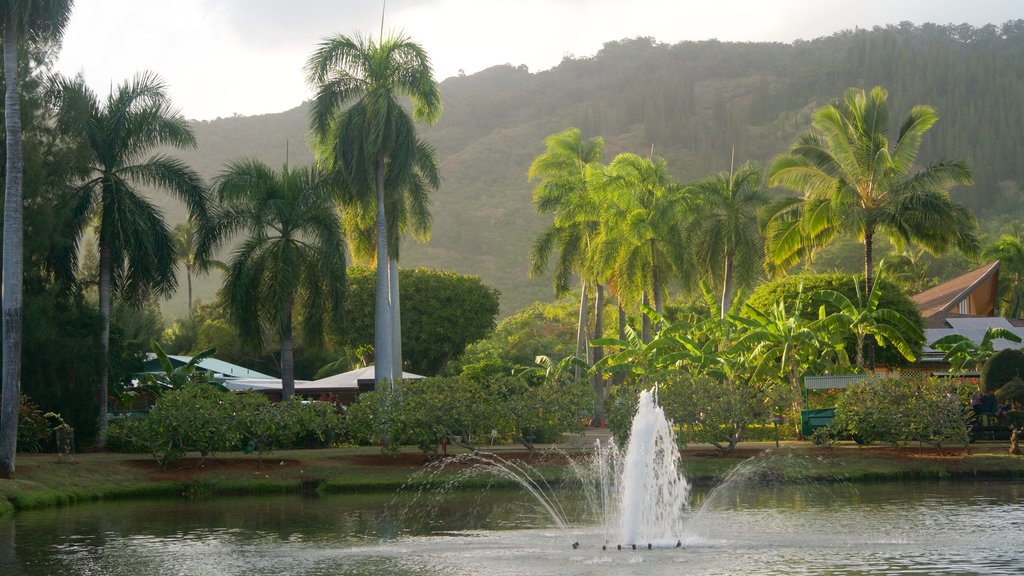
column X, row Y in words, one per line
column 290, row 262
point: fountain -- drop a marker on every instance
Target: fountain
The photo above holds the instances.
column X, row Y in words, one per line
column 637, row 494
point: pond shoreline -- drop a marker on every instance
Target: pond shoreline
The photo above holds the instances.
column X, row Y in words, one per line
column 43, row 481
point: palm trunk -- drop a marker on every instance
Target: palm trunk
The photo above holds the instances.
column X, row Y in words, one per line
column 287, row 352
column 12, row 247
column 619, row 377
column 597, row 353
column 869, row 285
column 727, row 285
column 188, row 279
column 582, row 325
column 106, row 267
column 383, row 355
column 396, row 321
column 645, row 321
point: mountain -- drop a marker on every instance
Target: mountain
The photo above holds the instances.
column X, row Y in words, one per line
column 692, row 103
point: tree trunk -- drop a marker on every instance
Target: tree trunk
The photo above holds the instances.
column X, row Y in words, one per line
column 12, row 254
column 383, row 355
column 106, row 267
column 619, row 377
column 287, row 352
column 597, row 353
column 869, row 285
column 645, row 321
column 396, row 321
column 188, row 279
column 582, row 325
column 727, row 285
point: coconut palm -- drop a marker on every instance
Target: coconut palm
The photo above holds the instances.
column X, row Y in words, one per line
column 187, row 245
column 290, row 262
column 640, row 241
column 725, row 233
column 368, row 139
column 1009, row 250
column 855, row 181
column 136, row 250
column 21, row 19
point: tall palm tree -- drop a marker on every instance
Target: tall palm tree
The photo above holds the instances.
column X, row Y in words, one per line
column 21, row 19
column 567, row 171
column 290, row 262
column 136, row 251
column 409, row 213
column 855, row 181
column 725, row 233
column 640, row 242
column 187, row 247
column 368, row 138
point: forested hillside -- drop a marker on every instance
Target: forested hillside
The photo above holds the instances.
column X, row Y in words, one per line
column 692, row 103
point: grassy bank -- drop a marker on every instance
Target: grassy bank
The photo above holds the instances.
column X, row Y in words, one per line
column 44, row 481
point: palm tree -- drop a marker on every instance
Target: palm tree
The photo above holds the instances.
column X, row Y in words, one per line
column 567, row 170
column 725, row 233
column 136, row 250
column 40, row 19
column 640, row 241
column 368, row 138
column 291, row 260
column 1009, row 250
column 854, row 181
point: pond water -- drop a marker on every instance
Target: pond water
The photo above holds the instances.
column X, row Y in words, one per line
column 891, row 528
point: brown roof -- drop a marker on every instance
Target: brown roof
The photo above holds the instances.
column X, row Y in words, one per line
column 940, row 298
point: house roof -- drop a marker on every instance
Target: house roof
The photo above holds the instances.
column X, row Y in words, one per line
column 350, row 379
column 941, row 298
column 973, row 328
column 216, row 366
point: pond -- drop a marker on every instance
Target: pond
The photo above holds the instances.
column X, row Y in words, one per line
column 890, row 528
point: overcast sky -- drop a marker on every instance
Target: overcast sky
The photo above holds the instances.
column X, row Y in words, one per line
column 222, row 57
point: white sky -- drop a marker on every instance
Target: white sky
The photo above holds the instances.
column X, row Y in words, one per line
column 222, row 57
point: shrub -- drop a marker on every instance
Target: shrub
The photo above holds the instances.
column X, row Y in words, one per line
column 713, row 411
column 897, row 411
column 196, row 417
column 1002, row 367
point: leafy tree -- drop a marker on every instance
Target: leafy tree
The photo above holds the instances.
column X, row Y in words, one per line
column 855, row 182
column 364, row 133
column 717, row 412
column 40, row 20
column 290, row 263
column 726, row 235
column 444, row 313
column 1009, row 250
column 136, row 251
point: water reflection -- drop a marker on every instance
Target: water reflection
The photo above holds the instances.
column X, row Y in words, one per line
column 963, row 528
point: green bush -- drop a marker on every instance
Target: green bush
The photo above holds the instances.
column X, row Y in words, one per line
column 897, row 411
column 1004, row 366
column 716, row 412
column 33, row 429
column 128, row 435
column 195, row 418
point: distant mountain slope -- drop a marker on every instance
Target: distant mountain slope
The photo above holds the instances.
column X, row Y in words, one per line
column 693, row 102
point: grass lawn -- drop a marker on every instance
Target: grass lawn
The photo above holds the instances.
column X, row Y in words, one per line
column 44, row 481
